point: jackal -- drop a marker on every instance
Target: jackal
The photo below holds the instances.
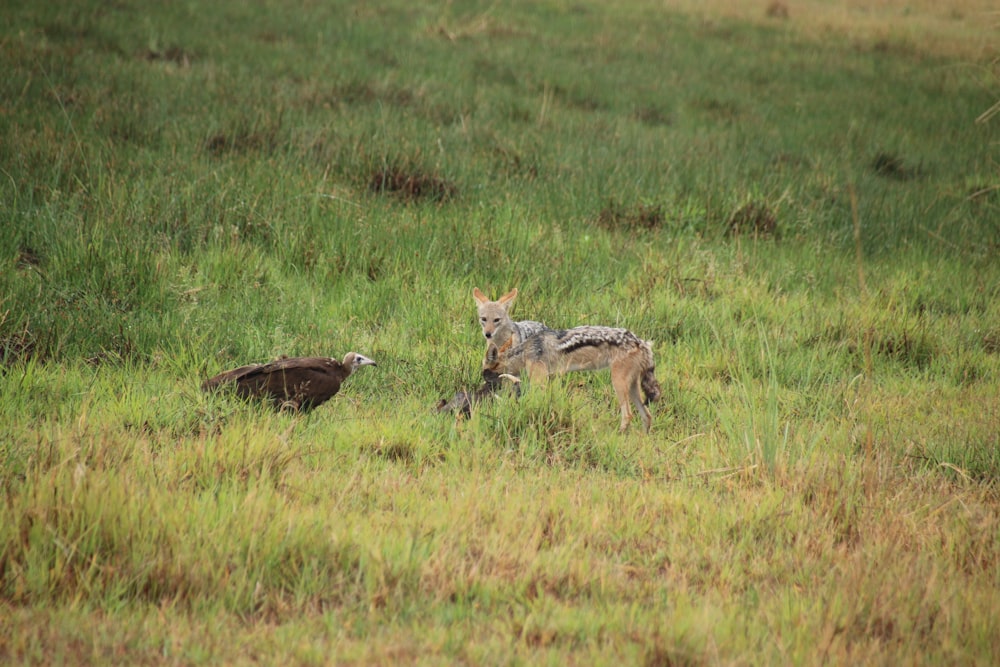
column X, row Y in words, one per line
column 586, row 348
column 494, row 318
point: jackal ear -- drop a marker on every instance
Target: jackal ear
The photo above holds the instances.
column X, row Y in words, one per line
column 479, row 296
column 506, row 346
column 509, row 296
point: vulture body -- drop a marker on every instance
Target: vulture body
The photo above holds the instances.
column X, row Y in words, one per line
column 297, row 383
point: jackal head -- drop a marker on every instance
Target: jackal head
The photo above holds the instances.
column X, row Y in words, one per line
column 494, row 317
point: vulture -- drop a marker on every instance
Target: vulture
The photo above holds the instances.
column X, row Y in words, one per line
column 463, row 400
column 296, row 383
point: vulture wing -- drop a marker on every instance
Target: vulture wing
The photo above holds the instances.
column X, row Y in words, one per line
column 229, row 376
column 301, row 383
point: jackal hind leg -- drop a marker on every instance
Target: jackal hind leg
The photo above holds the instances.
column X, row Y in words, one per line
column 620, row 381
column 538, row 373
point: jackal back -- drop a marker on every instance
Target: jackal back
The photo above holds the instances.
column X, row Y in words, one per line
column 566, row 350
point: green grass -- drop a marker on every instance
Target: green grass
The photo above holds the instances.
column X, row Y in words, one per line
column 805, row 221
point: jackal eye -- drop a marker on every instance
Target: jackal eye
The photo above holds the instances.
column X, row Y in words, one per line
column 496, row 320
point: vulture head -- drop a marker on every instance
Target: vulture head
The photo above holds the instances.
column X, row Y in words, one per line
column 354, row 361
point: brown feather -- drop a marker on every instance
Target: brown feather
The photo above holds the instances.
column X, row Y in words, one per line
column 298, row 383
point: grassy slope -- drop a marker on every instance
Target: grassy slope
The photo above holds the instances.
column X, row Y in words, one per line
column 820, row 482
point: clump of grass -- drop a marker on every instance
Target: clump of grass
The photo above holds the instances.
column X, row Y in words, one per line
column 908, row 346
column 911, row 348
column 546, row 426
column 535, row 422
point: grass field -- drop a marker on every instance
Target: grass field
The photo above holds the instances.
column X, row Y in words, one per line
column 798, row 202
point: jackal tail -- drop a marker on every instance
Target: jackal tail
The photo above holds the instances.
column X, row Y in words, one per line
column 650, row 386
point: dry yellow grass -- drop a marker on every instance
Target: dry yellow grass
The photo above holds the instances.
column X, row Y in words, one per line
column 963, row 28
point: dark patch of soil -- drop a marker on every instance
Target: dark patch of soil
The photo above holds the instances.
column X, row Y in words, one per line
column 616, row 216
column 653, row 117
column 397, row 452
column 577, row 99
column 263, row 133
column 16, row 347
column 890, row 165
column 722, row 110
column 777, row 10
column 364, row 92
column 914, row 350
column 411, row 185
column 512, row 163
column 983, row 193
column 240, row 141
column 172, row 54
column 28, row 258
column 754, row 218
column 991, row 341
